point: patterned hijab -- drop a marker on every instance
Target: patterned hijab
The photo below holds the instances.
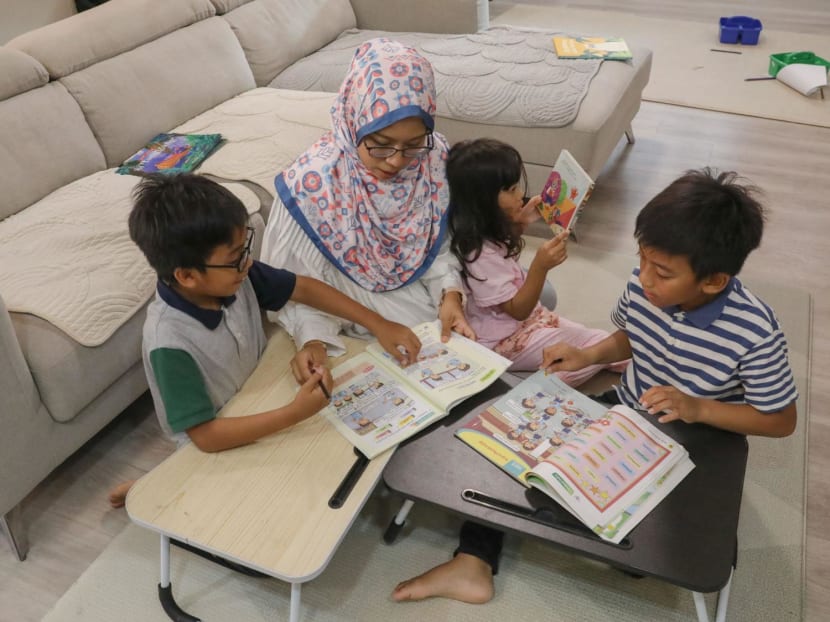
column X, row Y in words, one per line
column 380, row 233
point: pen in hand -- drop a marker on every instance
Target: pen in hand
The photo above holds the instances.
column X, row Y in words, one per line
column 316, row 369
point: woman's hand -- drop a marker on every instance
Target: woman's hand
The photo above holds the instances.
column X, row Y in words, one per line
column 311, row 356
column 399, row 341
column 451, row 314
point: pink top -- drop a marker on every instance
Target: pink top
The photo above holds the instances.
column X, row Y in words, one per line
column 503, row 278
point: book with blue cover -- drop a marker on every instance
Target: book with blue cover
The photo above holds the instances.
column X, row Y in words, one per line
column 170, row 154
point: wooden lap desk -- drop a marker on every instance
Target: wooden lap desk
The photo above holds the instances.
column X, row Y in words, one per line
column 263, row 506
column 689, row 539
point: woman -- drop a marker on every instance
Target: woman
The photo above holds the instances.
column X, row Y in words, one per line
column 364, row 208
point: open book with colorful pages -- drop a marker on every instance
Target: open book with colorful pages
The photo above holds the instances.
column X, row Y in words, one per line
column 607, row 467
column 565, row 193
column 376, row 403
column 606, row 48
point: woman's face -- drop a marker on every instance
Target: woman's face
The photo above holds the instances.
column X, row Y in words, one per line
column 404, row 134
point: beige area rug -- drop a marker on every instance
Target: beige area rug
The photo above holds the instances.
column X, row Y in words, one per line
column 537, row 582
column 685, row 71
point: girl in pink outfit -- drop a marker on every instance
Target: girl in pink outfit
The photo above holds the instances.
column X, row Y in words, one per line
column 487, row 217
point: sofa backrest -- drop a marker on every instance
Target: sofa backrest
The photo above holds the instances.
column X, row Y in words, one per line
column 278, row 33
column 108, row 30
column 140, row 67
column 46, row 142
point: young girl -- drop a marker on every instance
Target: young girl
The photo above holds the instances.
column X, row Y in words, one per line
column 487, row 218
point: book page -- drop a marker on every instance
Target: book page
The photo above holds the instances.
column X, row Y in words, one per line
column 530, row 423
column 608, row 465
column 566, row 190
column 372, row 408
column 445, row 373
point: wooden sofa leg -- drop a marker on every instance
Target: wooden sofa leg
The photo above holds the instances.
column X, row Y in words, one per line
column 12, row 525
column 629, row 135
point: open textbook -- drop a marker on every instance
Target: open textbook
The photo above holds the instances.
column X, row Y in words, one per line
column 565, row 193
column 376, row 403
column 609, row 468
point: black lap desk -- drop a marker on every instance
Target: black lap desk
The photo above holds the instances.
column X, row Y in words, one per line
column 689, row 539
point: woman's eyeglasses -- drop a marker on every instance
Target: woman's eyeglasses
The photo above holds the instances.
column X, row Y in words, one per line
column 383, row 152
column 242, row 262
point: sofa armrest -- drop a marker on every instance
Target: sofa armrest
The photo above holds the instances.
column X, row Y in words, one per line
column 450, row 16
column 16, row 383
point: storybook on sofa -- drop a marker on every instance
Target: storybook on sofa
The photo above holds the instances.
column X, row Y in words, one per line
column 607, row 467
column 170, row 154
column 376, row 403
column 606, row 48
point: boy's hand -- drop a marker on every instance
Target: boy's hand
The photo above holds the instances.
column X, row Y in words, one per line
column 310, row 398
column 399, row 341
column 552, row 253
column 452, row 317
column 311, row 356
column 673, row 403
column 563, row 357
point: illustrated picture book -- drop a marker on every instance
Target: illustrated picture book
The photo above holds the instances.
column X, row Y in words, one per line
column 565, row 193
column 606, row 48
column 607, row 467
column 376, row 403
column 170, row 154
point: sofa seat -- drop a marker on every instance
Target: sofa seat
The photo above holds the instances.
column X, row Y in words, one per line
column 509, row 84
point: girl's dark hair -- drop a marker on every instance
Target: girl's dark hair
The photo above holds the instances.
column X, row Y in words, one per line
column 178, row 220
column 711, row 218
column 477, row 170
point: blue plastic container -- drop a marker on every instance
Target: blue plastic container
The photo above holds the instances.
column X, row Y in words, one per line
column 740, row 29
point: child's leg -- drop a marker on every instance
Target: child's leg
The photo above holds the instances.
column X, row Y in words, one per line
column 118, row 495
column 467, row 577
column 569, row 332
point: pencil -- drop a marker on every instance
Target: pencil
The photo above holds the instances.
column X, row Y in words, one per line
column 759, row 78
column 324, row 389
column 725, row 51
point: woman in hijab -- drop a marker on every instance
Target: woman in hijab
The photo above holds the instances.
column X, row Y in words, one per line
column 364, row 208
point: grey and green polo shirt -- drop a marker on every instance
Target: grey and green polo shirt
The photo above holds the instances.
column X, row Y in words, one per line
column 197, row 359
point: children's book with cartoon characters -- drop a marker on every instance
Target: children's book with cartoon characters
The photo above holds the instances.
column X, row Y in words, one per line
column 565, row 193
column 376, row 403
column 170, row 154
column 607, row 467
column 605, row 48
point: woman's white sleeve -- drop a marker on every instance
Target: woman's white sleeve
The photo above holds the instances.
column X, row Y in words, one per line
column 443, row 274
column 286, row 246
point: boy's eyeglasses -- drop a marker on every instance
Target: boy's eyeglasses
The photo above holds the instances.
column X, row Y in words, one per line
column 242, row 262
column 383, row 152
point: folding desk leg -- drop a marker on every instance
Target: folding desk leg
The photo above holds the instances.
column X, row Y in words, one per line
column 294, row 612
column 168, row 603
column 722, row 604
column 394, row 527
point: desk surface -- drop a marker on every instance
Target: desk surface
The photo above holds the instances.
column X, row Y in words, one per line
column 264, row 505
column 689, row 539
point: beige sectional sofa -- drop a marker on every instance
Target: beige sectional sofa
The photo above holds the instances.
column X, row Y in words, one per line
column 79, row 96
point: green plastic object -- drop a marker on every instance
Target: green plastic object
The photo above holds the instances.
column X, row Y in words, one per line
column 778, row 61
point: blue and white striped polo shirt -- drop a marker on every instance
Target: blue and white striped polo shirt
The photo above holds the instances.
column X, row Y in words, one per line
column 731, row 349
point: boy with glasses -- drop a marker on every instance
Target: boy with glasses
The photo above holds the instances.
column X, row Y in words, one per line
column 203, row 335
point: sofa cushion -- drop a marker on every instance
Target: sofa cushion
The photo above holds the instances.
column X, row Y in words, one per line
column 277, row 33
column 19, row 73
column 45, row 144
column 64, row 47
column 130, row 98
column 223, row 6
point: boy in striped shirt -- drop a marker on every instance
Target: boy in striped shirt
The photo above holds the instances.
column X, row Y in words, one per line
column 704, row 349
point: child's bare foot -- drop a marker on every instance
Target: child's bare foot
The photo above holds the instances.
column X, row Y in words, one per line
column 465, row 577
column 118, row 495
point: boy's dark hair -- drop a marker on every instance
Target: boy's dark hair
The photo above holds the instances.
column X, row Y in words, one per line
column 706, row 216
column 178, row 220
column 477, row 170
